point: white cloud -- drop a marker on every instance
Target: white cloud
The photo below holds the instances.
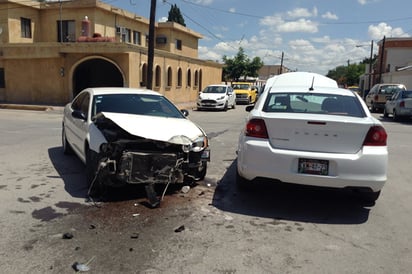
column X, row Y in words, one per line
column 329, row 15
column 365, row 2
column 377, row 32
column 233, row 10
column 203, row 2
column 301, row 25
column 299, row 12
column 301, row 44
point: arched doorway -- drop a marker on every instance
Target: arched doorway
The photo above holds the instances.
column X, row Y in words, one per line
column 96, row 72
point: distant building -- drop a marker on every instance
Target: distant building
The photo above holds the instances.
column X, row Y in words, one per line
column 50, row 51
column 393, row 65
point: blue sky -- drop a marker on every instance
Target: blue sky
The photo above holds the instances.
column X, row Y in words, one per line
column 316, row 35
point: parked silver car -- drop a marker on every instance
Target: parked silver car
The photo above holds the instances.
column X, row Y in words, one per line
column 379, row 94
column 399, row 105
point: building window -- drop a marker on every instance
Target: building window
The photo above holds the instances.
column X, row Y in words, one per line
column 196, row 78
column 189, row 78
column 2, row 81
column 66, row 31
column 126, row 35
column 158, row 76
column 169, row 77
column 147, row 40
column 179, row 77
column 143, row 79
column 137, row 37
column 178, row 44
column 25, row 27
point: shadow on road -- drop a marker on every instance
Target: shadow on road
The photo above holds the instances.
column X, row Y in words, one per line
column 270, row 199
column 73, row 173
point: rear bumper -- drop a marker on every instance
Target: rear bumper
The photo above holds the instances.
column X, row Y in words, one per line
column 365, row 169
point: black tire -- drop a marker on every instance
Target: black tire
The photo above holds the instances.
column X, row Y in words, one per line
column 385, row 113
column 201, row 174
column 225, row 108
column 373, row 108
column 395, row 116
column 91, row 166
column 242, row 183
column 67, row 149
column 369, row 198
column 234, row 105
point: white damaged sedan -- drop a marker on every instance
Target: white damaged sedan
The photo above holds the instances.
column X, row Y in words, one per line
column 126, row 135
column 305, row 130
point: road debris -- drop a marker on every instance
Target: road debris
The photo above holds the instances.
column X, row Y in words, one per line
column 79, row 267
column 67, row 236
column 180, row 229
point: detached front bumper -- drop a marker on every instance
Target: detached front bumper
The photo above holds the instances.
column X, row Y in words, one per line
column 138, row 167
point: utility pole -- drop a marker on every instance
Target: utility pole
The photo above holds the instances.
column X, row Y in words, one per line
column 382, row 53
column 281, row 64
column 150, row 53
column 370, row 66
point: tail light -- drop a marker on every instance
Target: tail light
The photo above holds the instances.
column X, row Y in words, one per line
column 376, row 98
column 376, row 137
column 402, row 104
column 256, row 128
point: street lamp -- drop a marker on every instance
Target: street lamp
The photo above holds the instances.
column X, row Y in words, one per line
column 370, row 67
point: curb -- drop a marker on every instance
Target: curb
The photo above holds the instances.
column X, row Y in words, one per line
column 26, row 107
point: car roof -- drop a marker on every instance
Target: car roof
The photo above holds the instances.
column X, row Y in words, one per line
column 218, row 85
column 120, row 90
column 302, row 79
column 305, row 82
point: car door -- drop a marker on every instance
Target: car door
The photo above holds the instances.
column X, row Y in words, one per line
column 76, row 127
column 391, row 103
column 370, row 95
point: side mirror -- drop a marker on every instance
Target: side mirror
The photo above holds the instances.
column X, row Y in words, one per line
column 79, row 115
column 185, row 112
column 249, row 108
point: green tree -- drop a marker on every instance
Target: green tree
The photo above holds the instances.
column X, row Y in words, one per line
column 175, row 15
column 349, row 75
column 240, row 66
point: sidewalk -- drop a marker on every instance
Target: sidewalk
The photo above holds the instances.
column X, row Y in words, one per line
column 30, row 107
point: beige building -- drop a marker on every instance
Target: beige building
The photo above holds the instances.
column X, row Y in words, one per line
column 52, row 50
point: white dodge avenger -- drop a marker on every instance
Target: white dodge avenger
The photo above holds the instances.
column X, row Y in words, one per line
column 305, row 130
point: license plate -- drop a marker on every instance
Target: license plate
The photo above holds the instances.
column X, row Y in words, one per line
column 313, row 166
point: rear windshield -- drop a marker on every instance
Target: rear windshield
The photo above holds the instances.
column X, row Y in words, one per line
column 390, row 89
column 331, row 104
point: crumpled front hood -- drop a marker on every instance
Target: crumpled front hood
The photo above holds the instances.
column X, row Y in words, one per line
column 172, row 130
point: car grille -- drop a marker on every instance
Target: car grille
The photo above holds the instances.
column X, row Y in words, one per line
column 148, row 167
column 208, row 102
column 241, row 96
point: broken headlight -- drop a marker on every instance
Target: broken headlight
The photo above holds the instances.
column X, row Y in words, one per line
column 200, row 144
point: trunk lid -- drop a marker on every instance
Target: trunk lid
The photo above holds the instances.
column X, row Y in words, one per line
column 317, row 133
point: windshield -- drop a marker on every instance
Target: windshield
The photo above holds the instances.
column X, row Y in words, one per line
column 214, row 89
column 240, row 86
column 141, row 104
column 331, row 104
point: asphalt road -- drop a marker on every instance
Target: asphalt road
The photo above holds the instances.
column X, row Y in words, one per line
column 48, row 225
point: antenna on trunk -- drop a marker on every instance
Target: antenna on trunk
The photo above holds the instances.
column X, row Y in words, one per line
column 311, row 87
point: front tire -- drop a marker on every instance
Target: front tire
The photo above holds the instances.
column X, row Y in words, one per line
column 385, row 113
column 201, row 173
column 67, row 149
